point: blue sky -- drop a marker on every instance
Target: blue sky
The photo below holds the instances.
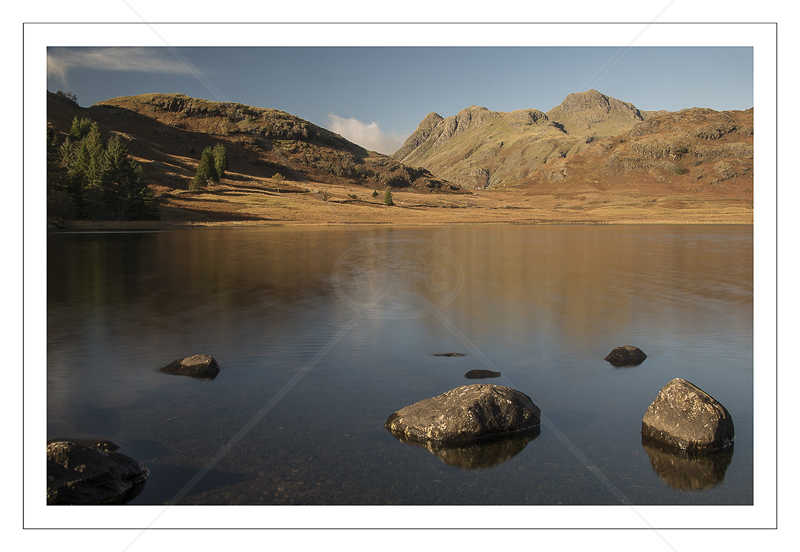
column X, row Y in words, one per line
column 376, row 96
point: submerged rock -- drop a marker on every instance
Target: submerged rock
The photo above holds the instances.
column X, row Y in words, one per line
column 449, row 354
column 479, row 374
column 465, row 413
column 687, row 418
column 80, row 474
column 196, row 366
column 627, row 355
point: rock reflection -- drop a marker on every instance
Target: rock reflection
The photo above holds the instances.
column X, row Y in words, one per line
column 482, row 454
column 687, row 472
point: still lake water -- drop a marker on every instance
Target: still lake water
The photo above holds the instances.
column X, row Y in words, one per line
column 322, row 333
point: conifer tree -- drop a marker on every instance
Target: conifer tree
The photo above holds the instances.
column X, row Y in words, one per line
column 198, row 182
column 220, row 160
column 125, row 185
column 80, row 128
column 205, row 170
column 97, row 180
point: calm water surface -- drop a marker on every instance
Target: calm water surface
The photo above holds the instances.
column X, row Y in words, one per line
column 322, row 333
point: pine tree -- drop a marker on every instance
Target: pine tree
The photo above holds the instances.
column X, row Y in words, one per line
column 85, row 173
column 96, row 180
column 80, row 128
column 205, row 170
column 203, row 174
column 220, row 160
column 198, row 182
column 387, row 197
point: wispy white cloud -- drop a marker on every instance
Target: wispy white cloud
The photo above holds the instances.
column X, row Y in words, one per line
column 367, row 135
column 60, row 61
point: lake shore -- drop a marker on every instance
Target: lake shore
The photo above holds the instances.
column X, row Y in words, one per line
column 164, row 225
column 232, row 204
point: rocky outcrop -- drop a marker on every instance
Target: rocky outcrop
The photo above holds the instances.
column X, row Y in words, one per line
column 687, row 418
column 480, row 374
column 80, row 474
column 627, row 355
column 465, row 414
column 196, row 366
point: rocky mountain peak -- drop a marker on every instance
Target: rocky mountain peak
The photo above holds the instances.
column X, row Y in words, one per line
column 420, row 135
column 591, row 112
column 583, row 101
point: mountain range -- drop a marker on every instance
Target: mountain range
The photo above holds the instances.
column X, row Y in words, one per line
column 590, row 154
column 478, row 148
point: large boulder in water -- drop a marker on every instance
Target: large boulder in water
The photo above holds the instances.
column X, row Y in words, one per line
column 627, row 355
column 80, row 474
column 465, row 413
column 196, row 366
column 686, row 417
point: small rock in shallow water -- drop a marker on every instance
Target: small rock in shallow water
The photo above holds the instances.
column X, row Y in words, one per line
column 449, row 354
column 196, row 366
column 479, row 374
column 627, row 355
